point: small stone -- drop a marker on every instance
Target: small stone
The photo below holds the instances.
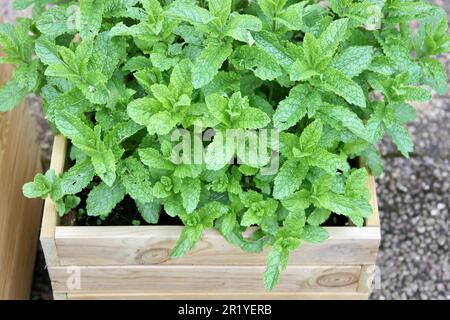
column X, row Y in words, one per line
column 441, row 240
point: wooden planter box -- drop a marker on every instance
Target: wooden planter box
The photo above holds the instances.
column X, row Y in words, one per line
column 20, row 218
column 133, row 262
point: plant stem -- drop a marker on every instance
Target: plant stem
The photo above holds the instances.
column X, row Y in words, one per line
column 270, row 94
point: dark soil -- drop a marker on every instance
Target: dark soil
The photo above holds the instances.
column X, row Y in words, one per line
column 127, row 214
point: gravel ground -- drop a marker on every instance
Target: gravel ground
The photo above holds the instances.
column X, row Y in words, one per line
column 414, row 200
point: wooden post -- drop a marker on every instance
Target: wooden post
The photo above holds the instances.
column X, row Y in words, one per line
column 19, row 217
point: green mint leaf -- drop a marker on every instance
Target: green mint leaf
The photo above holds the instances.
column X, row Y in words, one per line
column 11, row 94
column 227, row 224
column 72, row 102
column 250, row 197
column 356, row 185
column 373, row 160
column 353, row 60
column 349, row 120
column 47, row 51
column 218, row 154
column 70, row 202
column 210, row 212
column 209, row 63
column 400, row 136
column 289, row 178
column 382, row 65
column 299, row 201
column 190, row 194
column 15, row 41
column 328, row 161
column 88, row 140
column 189, row 12
column 268, row 7
column 252, row 118
column 314, row 234
column 108, row 53
column 262, row 213
column 39, row 188
column 264, row 66
column 404, row 112
column 240, row 27
column 292, row 109
column 102, row 199
column 220, row 9
column 181, row 78
column 91, row 14
column 434, row 75
column 173, row 205
column 154, row 160
column 104, row 163
column 77, row 178
column 137, row 63
column 300, row 71
column 54, row 22
column 269, row 43
column 188, row 238
column 162, row 122
column 408, row 11
column 292, row 16
column 318, row 217
column 272, row 272
column 415, row 94
column 344, row 87
column 310, row 137
column 217, row 105
column 136, row 180
column 162, row 61
column 150, row 212
column 335, row 33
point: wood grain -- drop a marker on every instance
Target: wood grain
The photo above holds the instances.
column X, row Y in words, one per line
column 50, row 218
column 223, row 296
column 19, row 217
column 201, row 279
column 150, row 245
column 374, row 219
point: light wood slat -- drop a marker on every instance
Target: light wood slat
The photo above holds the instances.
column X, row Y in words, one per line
column 19, row 217
column 224, row 296
column 366, row 279
column 148, row 245
column 50, row 217
column 60, row 296
column 374, row 219
column 201, row 279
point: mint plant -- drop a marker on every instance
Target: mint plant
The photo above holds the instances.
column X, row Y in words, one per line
column 117, row 78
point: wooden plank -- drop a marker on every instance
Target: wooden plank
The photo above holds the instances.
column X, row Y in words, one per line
column 223, row 296
column 149, row 245
column 200, row 279
column 50, row 217
column 19, row 217
column 366, row 280
column 374, row 219
column 60, row 296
